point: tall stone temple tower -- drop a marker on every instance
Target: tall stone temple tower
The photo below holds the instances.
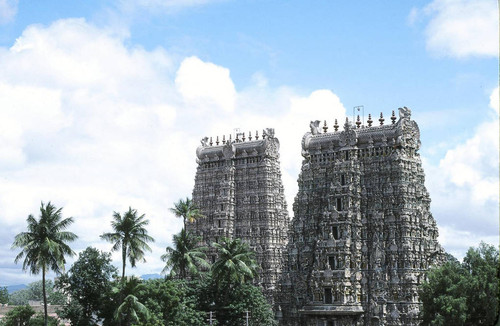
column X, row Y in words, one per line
column 362, row 235
column 239, row 191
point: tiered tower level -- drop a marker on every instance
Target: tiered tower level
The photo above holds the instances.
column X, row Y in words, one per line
column 362, row 236
column 238, row 189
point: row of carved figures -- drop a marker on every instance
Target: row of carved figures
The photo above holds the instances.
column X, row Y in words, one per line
column 314, row 125
column 208, row 141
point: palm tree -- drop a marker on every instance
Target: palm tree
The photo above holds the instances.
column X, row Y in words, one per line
column 185, row 258
column 130, row 236
column 236, row 263
column 44, row 246
column 187, row 210
column 131, row 308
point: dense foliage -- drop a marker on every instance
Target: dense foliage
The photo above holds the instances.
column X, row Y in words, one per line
column 19, row 316
column 185, row 258
column 463, row 293
column 236, row 263
column 34, row 292
column 4, row 295
column 87, row 282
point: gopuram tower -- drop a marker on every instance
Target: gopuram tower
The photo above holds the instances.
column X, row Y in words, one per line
column 362, row 236
column 238, row 189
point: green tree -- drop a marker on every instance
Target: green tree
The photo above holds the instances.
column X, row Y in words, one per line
column 131, row 310
column 185, row 258
column 130, row 235
column 34, row 292
column 20, row 297
column 44, row 246
column 187, row 210
column 171, row 303
column 462, row 293
column 230, row 307
column 4, row 295
column 236, row 262
column 482, row 287
column 19, row 316
column 39, row 320
column 443, row 302
column 88, row 282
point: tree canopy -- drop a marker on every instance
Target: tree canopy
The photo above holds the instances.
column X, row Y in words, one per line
column 187, row 210
column 462, row 293
column 88, row 282
column 186, row 258
column 235, row 264
column 44, row 246
column 130, row 235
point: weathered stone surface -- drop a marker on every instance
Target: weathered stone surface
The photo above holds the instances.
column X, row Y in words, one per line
column 239, row 190
column 362, row 235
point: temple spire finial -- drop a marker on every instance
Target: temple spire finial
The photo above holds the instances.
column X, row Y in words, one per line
column 393, row 117
column 336, row 125
column 358, row 122
column 325, row 127
column 381, row 119
column 370, row 121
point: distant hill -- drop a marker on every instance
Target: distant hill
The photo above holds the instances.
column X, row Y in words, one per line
column 150, row 276
column 14, row 288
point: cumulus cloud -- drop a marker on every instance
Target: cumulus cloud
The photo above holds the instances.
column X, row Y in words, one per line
column 461, row 28
column 205, row 85
column 8, row 10
column 96, row 126
column 474, row 164
column 465, row 186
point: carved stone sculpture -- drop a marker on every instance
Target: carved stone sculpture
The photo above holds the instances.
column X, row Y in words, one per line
column 239, row 191
column 377, row 225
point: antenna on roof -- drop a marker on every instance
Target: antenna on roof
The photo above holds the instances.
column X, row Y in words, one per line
column 358, row 110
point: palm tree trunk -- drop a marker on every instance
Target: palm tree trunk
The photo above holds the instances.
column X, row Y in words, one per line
column 45, row 321
column 124, row 261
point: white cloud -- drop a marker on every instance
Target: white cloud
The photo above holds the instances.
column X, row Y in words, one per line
column 461, row 28
column 465, row 188
column 8, row 10
column 459, row 241
column 205, row 85
column 96, row 126
column 494, row 100
column 474, row 164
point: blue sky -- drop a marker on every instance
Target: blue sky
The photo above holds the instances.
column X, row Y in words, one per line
column 103, row 103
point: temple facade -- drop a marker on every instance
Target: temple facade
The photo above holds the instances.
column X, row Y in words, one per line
column 238, row 189
column 362, row 235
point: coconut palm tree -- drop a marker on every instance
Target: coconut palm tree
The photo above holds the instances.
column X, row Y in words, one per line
column 185, row 258
column 44, row 246
column 131, row 309
column 236, row 263
column 130, row 236
column 187, row 210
